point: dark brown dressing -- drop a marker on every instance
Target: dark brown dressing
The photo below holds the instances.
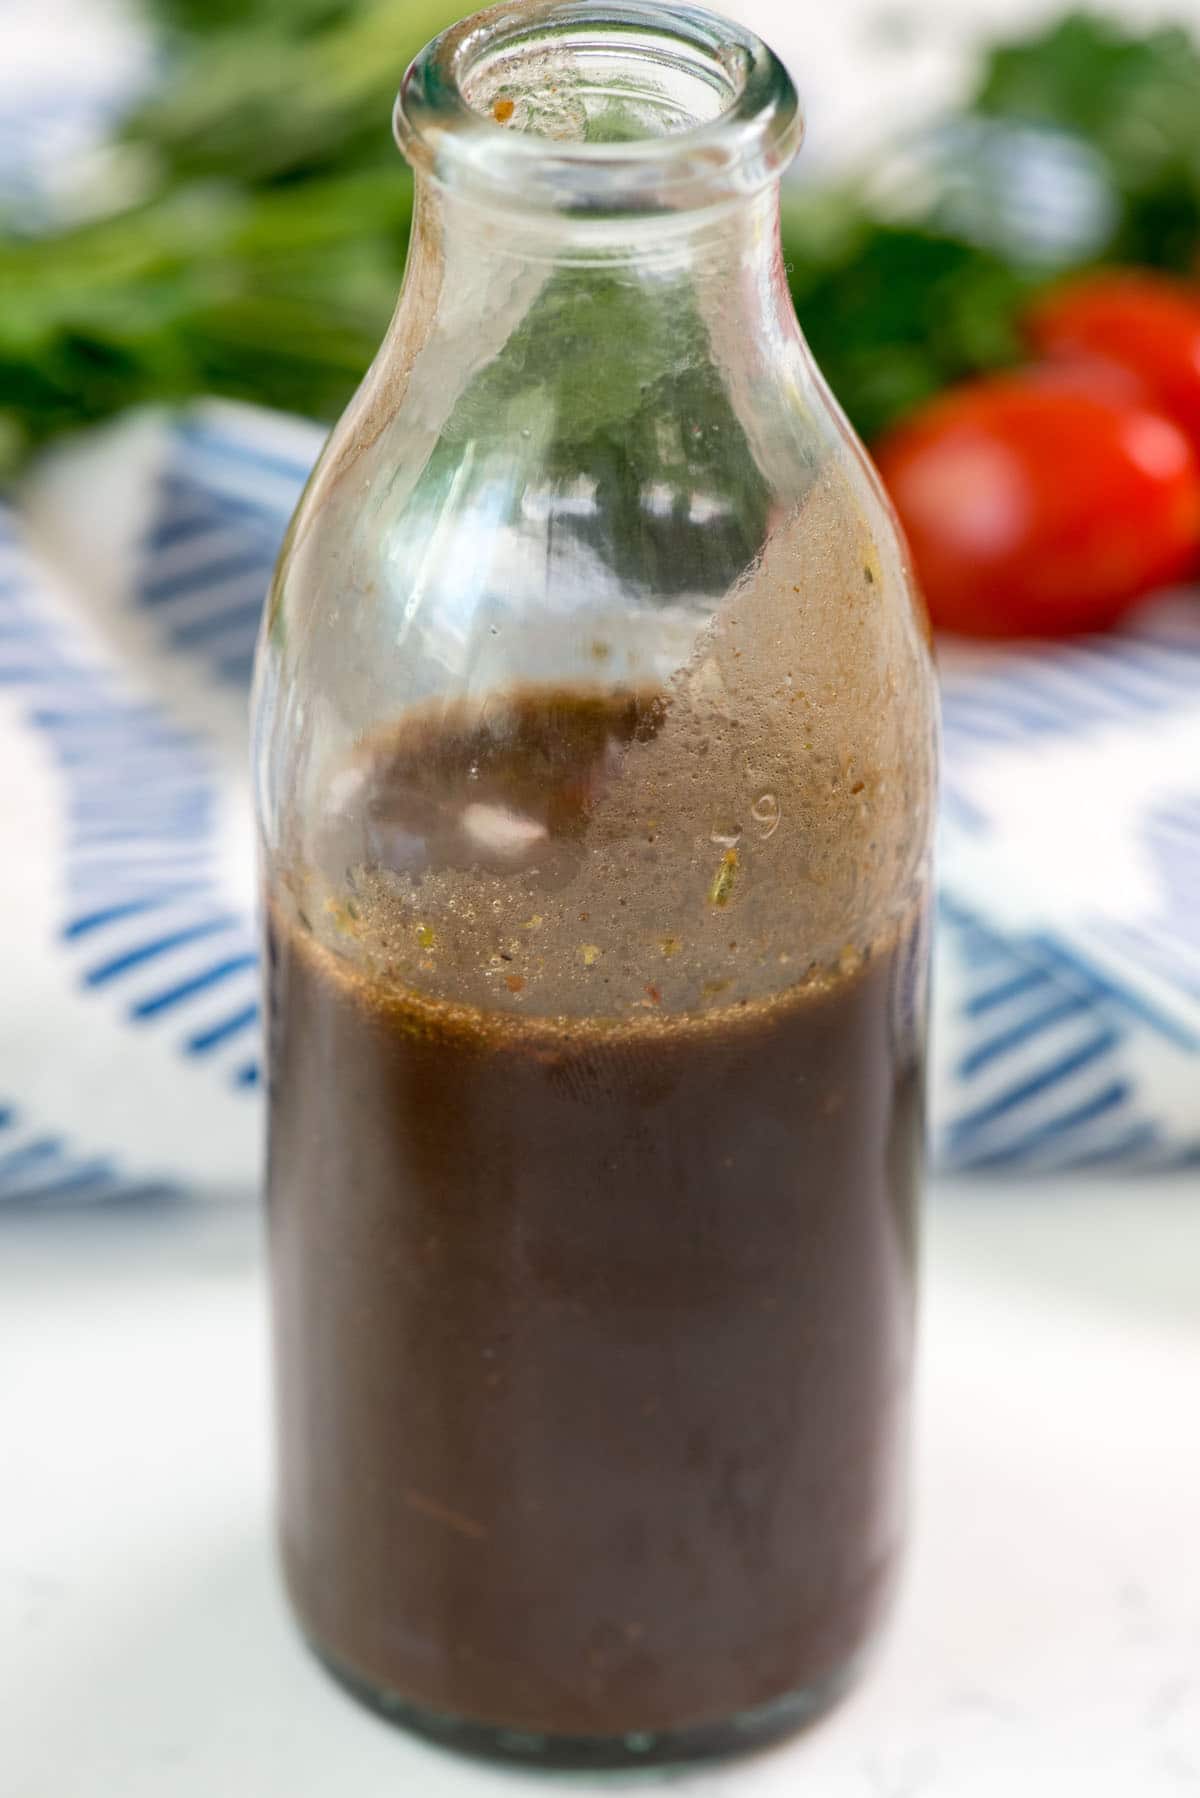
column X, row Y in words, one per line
column 593, row 1335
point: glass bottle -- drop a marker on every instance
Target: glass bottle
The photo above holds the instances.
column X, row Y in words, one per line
column 595, row 747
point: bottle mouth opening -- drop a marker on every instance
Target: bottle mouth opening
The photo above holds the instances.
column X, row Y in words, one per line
column 599, row 106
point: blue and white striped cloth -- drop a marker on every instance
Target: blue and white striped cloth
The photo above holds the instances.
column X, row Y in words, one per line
column 1067, row 995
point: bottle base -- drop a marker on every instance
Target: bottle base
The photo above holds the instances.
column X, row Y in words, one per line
column 730, row 1736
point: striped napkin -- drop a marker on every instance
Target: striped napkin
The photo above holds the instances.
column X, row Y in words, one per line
column 1067, row 983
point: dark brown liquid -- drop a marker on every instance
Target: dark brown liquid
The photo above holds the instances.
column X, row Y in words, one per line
column 593, row 1338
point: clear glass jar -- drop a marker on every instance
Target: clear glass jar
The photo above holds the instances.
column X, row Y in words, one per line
column 595, row 738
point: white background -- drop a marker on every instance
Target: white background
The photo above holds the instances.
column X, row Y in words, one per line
column 1047, row 1640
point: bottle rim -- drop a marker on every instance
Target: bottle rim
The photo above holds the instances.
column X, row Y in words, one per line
column 508, row 102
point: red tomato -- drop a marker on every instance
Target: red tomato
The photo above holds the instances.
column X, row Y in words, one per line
column 1035, row 507
column 1143, row 322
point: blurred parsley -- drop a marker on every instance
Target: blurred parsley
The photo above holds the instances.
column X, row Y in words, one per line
column 894, row 310
column 264, row 254
column 900, row 312
column 1136, row 99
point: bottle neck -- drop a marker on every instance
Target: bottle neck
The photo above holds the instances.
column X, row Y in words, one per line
column 615, row 154
column 481, row 268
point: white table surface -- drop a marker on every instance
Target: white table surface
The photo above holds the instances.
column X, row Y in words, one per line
column 1047, row 1640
